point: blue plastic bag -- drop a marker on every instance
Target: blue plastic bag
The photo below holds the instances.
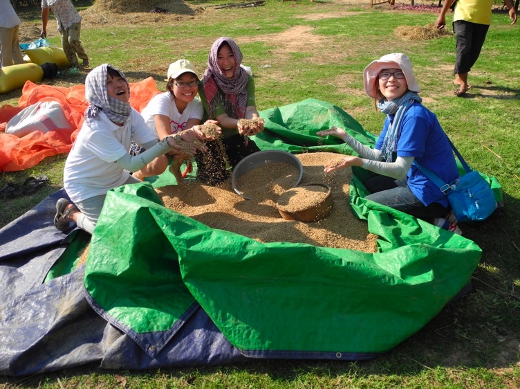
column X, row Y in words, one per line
column 41, row 42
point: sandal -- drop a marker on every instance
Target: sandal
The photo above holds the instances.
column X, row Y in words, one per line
column 31, row 185
column 11, row 190
column 60, row 219
column 462, row 92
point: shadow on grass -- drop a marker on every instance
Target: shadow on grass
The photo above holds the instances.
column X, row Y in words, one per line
column 513, row 94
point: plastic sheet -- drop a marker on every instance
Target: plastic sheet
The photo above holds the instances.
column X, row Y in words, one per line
column 163, row 290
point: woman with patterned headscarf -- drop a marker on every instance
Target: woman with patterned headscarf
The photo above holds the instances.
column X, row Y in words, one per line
column 228, row 95
column 99, row 159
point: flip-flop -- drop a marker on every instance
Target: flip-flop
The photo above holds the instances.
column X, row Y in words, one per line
column 189, row 168
column 60, row 221
column 11, row 190
column 462, row 92
column 31, row 185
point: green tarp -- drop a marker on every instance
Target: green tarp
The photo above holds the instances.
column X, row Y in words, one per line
column 148, row 265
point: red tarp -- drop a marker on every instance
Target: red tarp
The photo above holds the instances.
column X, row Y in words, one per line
column 22, row 153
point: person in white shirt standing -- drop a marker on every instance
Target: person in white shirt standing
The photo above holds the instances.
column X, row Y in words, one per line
column 10, row 53
column 69, row 26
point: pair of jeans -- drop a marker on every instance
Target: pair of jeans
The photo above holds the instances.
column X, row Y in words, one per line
column 397, row 194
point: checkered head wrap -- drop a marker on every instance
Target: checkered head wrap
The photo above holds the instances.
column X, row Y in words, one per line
column 98, row 99
column 235, row 99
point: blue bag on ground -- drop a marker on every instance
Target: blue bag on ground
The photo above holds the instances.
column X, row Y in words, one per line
column 471, row 198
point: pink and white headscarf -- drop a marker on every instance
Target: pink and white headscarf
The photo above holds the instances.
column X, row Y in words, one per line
column 234, row 88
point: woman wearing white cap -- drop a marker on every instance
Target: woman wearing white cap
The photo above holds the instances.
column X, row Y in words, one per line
column 410, row 133
column 173, row 111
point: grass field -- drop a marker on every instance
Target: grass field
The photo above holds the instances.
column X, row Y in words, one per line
column 302, row 49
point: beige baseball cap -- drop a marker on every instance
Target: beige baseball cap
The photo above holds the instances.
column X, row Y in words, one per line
column 394, row 60
column 179, row 67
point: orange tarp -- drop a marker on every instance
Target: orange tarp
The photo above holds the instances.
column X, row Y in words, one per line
column 22, row 153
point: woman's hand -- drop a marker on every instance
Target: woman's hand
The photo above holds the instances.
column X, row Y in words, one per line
column 210, row 130
column 242, row 127
column 334, row 131
column 249, row 127
column 342, row 163
column 194, row 133
column 259, row 126
column 183, row 147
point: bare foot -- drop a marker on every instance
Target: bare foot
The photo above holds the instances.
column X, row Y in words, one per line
column 175, row 169
column 462, row 90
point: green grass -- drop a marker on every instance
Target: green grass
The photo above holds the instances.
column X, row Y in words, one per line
column 473, row 342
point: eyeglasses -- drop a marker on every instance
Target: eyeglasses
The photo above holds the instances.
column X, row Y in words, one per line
column 386, row 75
column 191, row 84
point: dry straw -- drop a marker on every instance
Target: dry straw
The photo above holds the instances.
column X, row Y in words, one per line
column 123, row 6
column 136, row 12
column 421, row 33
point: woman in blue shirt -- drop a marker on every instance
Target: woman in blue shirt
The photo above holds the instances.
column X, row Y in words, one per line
column 410, row 133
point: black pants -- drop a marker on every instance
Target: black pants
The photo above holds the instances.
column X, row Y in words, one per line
column 470, row 39
column 212, row 166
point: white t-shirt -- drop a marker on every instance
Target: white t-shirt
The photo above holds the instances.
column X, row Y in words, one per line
column 91, row 168
column 163, row 104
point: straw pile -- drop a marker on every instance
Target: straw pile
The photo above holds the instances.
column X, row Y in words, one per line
column 135, row 12
column 221, row 208
column 420, row 33
column 124, row 6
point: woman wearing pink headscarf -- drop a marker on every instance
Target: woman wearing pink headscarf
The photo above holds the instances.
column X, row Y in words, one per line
column 228, row 94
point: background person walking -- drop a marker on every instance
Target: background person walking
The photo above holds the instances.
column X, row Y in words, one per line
column 69, row 26
column 471, row 20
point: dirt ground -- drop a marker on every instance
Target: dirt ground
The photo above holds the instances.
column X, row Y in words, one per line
column 142, row 12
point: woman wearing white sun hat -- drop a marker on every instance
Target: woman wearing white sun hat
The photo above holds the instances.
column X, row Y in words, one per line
column 175, row 110
column 410, row 133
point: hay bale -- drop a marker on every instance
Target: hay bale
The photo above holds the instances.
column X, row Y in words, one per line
column 420, row 33
column 124, row 6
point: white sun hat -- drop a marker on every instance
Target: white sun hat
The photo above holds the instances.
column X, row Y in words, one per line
column 394, row 60
column 179, row 67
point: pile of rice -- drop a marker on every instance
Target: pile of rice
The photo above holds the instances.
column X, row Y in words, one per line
column 221, row 208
